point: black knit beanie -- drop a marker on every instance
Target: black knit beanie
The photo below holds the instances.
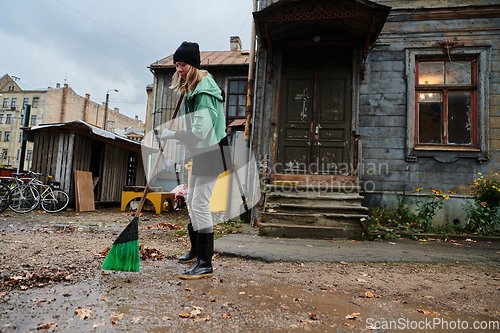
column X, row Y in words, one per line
column 189, row 53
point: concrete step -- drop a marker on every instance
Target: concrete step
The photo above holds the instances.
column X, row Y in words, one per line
column 311, row 207
column 322, row 205
column 308, row 231
column 322, row 189
column 317, row 219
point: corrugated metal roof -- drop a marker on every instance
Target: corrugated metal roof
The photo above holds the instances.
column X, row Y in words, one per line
column 211, row 58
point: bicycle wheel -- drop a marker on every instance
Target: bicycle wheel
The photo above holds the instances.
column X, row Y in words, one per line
column 55, row 201
column 25, row 198
column 5, row 197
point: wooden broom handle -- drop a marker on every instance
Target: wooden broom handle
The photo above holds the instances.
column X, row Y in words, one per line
column 155, row 165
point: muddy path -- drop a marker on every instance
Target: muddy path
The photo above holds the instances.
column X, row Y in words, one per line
column 51, row 281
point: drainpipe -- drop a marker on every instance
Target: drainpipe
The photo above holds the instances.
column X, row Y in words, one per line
column 246, row 187
column 251, row 68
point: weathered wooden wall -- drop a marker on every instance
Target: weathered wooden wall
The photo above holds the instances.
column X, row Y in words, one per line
column 114, row 173
column 53, row 155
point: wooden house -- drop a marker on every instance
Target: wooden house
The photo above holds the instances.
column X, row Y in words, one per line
column 228, row 68
column 361, row 101
column 114, row 161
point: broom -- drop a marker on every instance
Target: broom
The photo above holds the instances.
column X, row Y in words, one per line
column 124, row 254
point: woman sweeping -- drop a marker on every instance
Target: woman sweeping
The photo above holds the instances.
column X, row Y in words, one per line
column 205, row 137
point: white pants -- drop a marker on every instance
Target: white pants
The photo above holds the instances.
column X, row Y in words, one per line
column 198, row 200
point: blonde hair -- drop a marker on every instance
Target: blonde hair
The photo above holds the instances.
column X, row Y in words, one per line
column 193, row 77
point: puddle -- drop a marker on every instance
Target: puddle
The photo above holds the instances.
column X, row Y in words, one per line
column 152, row 301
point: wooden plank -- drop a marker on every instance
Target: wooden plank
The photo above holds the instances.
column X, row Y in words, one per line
column 84, row 191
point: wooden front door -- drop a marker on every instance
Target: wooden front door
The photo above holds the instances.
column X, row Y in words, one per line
column 315, row 123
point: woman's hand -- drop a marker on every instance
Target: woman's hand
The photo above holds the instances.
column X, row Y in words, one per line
column 167, row 134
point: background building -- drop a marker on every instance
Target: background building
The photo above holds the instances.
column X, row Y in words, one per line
column 48, row 106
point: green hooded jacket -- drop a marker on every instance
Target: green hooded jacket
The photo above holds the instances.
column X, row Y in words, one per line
column 204, row 114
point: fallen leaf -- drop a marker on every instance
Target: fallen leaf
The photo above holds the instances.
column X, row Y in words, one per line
column 24, row 287
column 309, row 245
column 226, row 315
column 184, row 315
column 343, row 263
column 207, row 318
column 313, row 316
column 188, row 289
column 104, row 298
column 242, row 293
column 135, row 320
column 83, row 313
column 426, row 312
column 369, row 294
column 349, row 325
column 3, row 293
column 353, row 315
column 361, row 280
column 457, row 244
column 392, row 243
column 423, row 243
column 49, row 326
column 115, row 317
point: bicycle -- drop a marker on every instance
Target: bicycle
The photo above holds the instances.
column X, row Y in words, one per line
column 52, row 199
column 24, row 197
column 5, row 197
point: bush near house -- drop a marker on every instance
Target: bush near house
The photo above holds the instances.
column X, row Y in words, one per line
column 483, row 214
column 411, row 217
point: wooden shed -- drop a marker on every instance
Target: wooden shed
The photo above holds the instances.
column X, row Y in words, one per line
column 115, row 161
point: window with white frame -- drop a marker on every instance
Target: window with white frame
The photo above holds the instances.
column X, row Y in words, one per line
column 25, row 101
column 1, row 118
column 5, row 103
column 6, row 136
column 13, row 104
column 446, row 103
column 4, row 154
column 33, row 119
column 8, row 120
column 35, row 102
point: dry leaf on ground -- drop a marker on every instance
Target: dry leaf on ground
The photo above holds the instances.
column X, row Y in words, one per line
column 83, row 313
column 427, row 312
column 369, row 294
column 353, row 315
column 115, row 317
column 49, row 326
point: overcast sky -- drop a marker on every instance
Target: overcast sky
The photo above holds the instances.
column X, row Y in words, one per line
column 97, row 45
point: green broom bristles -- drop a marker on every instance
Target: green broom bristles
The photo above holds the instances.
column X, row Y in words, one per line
column 124, row 255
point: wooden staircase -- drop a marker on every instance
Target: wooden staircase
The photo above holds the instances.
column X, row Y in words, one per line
column 312, row 211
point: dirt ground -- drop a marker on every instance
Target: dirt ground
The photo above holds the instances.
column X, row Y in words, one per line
column 51, row 280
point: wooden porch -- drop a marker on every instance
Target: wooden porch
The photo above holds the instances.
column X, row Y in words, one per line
column 312, row 206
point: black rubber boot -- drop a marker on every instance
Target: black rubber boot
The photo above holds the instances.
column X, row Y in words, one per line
column 203, row 267
column 191, row 255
